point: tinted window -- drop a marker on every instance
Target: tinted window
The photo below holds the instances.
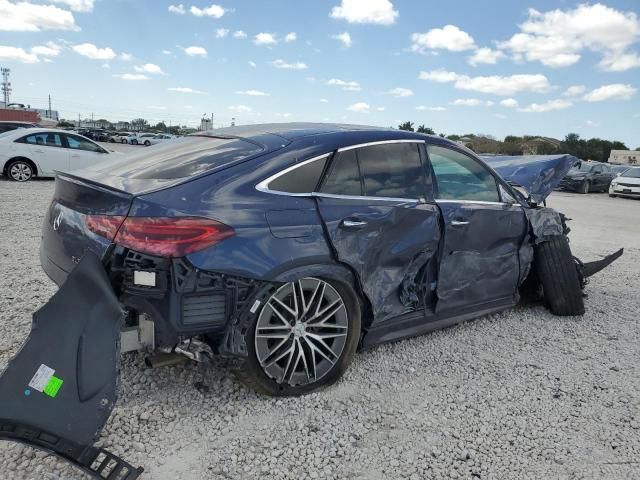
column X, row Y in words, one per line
column 78, row 143
column 303, row 179
column 183, row 158
column 45, row 139
column 460, row 177
column 392, row 170
column 343, row 177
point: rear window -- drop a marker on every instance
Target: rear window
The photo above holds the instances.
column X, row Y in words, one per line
column 301, row 179
column 182, row 158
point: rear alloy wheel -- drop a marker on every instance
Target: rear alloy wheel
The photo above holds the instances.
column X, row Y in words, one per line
column 20, row 171
column 304, row 338
column 124, row 140
column 147, row 143
column 585, row 186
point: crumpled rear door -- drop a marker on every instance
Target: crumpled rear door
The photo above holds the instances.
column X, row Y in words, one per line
column 58, row 391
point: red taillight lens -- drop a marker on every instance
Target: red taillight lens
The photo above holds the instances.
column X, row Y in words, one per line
column 104, row 225
column 167, row 236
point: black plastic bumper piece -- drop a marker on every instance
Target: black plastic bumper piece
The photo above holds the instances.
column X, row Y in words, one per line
column 58, row 391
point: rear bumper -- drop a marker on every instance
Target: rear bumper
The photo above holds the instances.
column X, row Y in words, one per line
column 56, row 273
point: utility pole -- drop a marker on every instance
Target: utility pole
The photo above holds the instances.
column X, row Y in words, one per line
column 79, row 121
column 6, row 85
column 212, row 120
column 93, row 124
column 233, row 121
column 49, row 106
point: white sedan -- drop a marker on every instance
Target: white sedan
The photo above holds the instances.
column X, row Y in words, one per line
column 27, row 153
column 159, row 138
column 627, row 184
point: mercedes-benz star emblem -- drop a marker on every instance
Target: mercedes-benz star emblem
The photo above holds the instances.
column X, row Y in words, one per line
column 57, row 221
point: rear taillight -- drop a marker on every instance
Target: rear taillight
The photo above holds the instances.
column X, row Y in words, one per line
column 163, row 236
column 104, row 225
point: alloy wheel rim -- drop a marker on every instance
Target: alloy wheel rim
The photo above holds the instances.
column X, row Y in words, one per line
column 20, row 172
column 301, row 332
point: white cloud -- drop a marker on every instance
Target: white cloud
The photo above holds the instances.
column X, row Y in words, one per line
column 279, row 63
column 253, row 93
column 50, row 49
column 557, row 38
column 400, row 92
column 349, row 86
column 485, row 56
column 89, row 50
column 179, row 9
column 186, row 90
column 126, row 57
column 591, row 123
column 324, row 100
column 264, row 38
column 106, row 65
column 574, row 91
column 509, row 103
column 77, row 5
column 430, row 109
column 240, row 108
column 500, row 116
column 380, row 109
column 616, row 91
column 239, row 34
column 215, row 11
column 194, row 51
column 449, row 38
column 252, row 64
column 222, row 32
column 291, row 37
column 157, row 107
column 551, row 105
column 28, row 17
column 343, row 37
column 360, row 107
column 131, row 76
column 470, row 102
column 149, row 68
column 492, row 84
column 167, row 52
column 378, row 12
column 15, row 54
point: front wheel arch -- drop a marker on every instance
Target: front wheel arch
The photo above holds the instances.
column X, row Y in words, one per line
column 5, row 168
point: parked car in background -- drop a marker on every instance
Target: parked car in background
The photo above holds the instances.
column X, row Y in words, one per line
column 626, row 184
column 8, row 126
column 618, row 169
column 144, row 139
column 159, row 138
column 119, row 137
column 131, row 138
column 41, row 152
column 588, row 177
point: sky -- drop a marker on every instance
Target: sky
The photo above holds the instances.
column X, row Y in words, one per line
column 498, row 67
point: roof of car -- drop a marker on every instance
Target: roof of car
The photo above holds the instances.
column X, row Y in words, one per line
column 290, row 131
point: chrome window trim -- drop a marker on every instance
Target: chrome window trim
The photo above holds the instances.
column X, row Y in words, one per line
column 365, row 197
column 480, row 202
column 263, row 186
column 381, row 142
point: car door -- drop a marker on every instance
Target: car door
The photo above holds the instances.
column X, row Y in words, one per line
column 373, row 202
column 83, row 152
column 47, row 150
column 602, row 176
column 483, row 231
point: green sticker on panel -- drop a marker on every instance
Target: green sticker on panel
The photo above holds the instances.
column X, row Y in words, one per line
column 53, row 386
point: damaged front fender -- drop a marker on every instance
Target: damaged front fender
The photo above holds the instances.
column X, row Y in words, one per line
column 58, row 391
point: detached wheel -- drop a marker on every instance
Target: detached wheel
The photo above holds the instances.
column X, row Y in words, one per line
column 585, row 186
column 304, row 338
column 20, row 171
column 558, row 276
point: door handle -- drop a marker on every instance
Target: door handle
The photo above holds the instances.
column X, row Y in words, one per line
column 458, row 223
column 346, row 223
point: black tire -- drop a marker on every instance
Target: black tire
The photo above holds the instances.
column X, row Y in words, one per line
column 20, row 171
column 147, row 143
column 124, row 140
column 134, row 142
column 585, row 187
column 558, row 276
column 612, row 195
column 252, row 375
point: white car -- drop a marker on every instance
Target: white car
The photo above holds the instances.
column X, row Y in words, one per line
column 627, row 184
column 145, row 139
column 159, row 138
column 27, row 153
column 119, row 137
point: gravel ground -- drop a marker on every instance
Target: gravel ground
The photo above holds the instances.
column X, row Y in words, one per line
column 520, row 394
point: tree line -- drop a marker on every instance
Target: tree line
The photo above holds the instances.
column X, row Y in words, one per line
column 588, row 149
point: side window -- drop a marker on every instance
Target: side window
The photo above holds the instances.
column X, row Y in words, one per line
column 392, row 170
column 44, row 139
column 344, row 176
column 77, row 143
column 302, row 179
column 460, row 177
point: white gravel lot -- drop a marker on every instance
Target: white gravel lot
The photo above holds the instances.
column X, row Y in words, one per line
column 520, row 394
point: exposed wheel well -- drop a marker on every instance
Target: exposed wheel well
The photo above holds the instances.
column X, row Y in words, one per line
column 5, row 168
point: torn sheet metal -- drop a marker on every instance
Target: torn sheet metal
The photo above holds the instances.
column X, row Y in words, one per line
column 58, row 391
column 538, row 174
column 545, row 223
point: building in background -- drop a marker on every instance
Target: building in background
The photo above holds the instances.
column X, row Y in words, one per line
column 206, row 124
column 624, row 157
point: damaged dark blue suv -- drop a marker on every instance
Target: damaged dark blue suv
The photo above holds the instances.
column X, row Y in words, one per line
column 282, row 248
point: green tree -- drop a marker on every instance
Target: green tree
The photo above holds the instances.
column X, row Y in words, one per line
column 406, row 126
column 65, row 124
column 454, row 138
column 427, row 130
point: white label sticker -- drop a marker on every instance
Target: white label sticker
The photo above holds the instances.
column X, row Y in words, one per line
column 41, row 378
column 255, row 306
